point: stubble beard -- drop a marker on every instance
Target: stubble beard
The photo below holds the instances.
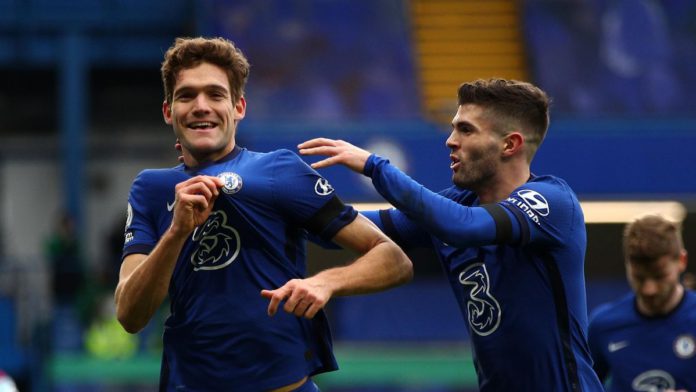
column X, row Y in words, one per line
column 473, row 179
column 478, row 172
column 659, row 305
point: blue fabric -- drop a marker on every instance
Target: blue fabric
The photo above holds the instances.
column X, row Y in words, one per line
column 525, row 300
column 308, row 386
column 218, row 333
column 645, row 353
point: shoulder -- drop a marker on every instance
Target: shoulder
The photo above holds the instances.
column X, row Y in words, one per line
column 690, row 301
column 164, row 171
column 690, row 296
column 274, row 154
column 612, row 313
column 280, row 157
column 155, row 185
column 547, row 197
column 552, row 185
column 285, row 155
column 159, row 177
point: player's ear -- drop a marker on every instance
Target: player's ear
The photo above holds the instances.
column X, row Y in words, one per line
column 513, row 142
column 683, row 260
column 240, row 109
column 167, row 112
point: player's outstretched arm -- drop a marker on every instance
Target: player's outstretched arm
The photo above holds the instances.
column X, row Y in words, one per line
column 382, row 265
column 144, row 279
column 337, row 151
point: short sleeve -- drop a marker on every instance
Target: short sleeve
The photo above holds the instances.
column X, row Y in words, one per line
column 308, row 198
column 141, row 230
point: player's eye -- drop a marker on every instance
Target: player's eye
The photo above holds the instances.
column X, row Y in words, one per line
column 218, row 95
column 184, row 97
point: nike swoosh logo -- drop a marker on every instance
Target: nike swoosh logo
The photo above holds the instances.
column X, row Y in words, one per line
column 171, row 206
column 618, row 346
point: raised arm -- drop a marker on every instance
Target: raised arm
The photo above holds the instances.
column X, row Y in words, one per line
column 448, row 220
column 144, row 279
column 382, row 265
column 337, row 151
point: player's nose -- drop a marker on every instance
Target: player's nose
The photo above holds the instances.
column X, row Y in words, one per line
column 451, row 141
column 648, row 288
column 200, row 104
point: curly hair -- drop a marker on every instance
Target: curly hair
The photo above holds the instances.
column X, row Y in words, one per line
column 190, row 52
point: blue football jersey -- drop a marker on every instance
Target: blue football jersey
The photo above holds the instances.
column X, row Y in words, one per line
column 218, row 335
column 640, row 353
column 516, row 270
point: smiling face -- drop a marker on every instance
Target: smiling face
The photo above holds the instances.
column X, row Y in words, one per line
column 203, row 114
column 475, row 148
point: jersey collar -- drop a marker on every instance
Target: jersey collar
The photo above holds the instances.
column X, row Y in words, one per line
column 230, row 156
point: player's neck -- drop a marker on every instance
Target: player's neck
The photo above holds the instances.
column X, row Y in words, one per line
column 502, row 185
column 193, row 160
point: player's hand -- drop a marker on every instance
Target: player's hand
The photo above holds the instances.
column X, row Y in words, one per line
column 337, row 151
column 303, row 297
column 193, row 202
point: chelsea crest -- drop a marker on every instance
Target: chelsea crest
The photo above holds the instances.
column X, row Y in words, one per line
column 685, row 346
column 232, row 182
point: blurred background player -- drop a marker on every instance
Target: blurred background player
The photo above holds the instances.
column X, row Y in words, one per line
column 512, row 243
column 646, row 341
column 215, row 231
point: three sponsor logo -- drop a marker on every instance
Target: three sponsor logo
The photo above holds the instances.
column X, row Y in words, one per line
column 483, row 309
column 218, row 243
column 655, row 380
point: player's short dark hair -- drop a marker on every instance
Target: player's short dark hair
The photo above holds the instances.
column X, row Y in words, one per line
column 190, row 52
column 650, row 238
column 511, row 103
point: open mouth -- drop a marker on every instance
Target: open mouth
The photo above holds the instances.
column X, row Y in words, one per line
column 454, row 164
column 201, row 125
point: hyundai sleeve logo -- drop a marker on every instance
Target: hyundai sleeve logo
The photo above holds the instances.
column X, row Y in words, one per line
column 535, row 201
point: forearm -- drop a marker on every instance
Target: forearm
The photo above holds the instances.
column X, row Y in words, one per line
column 383, row 266
column 448, row 220
column 139, row 295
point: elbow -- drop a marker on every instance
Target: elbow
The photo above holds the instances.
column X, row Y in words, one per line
column 407, row 271
column 401, row 266
column 129, row 324
column 405, row 267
